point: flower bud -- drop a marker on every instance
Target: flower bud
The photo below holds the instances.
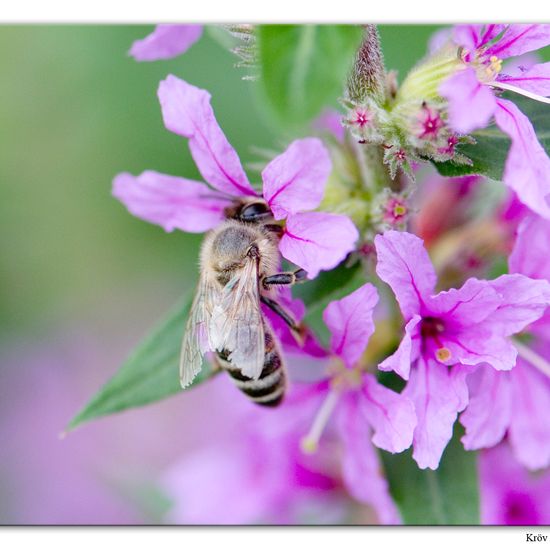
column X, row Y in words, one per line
column 368, row 76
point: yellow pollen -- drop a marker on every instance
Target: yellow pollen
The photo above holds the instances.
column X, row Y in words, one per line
column 399, row 210
column 443, row 354
column 496, row 64
column 309, row 445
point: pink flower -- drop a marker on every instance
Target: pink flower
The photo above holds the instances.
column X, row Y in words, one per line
column 259, row 475
column 509, row 494
column 165, row 42
column 430, row 124
column 361, row 117
column 472, row 103
column 530, row 257
column 517, row 402
column 365, row 412
column 330, row 121
column 446, row 331
column 296, row 307
column 293, row 184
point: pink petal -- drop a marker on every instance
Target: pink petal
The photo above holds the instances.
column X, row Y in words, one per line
column 438, row 39
column 511, row 495
column 361, row 467
column 186, row 111
column 472, row 303
column 438, row 397
column 471, row 104
column 520, row 39
column 390, row 414
column 530, row 253
column 478, row 345
column 351, row 324
column 165, row 42
column 524, row 301
column 518, row 65
column 475, row 36
column 317, row 241
column 204, row 481
column 488, row 414
column 527, row 166
column 295, row 180
column 407, row 352
column 529, row 426
column 331, row 122
column 404, row 264
column 171, row 202
column 535, row 80
column 467, row 36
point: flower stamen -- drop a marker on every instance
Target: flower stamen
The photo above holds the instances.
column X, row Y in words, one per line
column 310, row 442
column 495, row 65
column 521, row 91
column 533, row 358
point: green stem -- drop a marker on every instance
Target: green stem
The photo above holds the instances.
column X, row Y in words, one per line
column 375, row 169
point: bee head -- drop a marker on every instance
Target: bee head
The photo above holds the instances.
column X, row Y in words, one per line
column 255, row 211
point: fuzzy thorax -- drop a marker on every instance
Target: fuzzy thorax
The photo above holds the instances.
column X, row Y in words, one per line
column 227, row 248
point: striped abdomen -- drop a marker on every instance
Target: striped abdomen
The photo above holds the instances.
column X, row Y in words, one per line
column 270, row 387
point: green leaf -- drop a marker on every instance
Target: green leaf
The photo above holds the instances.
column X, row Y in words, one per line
column 304, row 67
column 490, row 152
column 446, row 496
column 149, row 374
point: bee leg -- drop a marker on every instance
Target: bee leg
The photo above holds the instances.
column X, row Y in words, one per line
column 280, row 311
column 297, row 329
column 288, row 278
column 216, row 366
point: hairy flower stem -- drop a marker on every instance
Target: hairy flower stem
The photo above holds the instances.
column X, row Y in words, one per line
column 360, row 154
column 375, row 170
column 533, row 358
column 368, row 75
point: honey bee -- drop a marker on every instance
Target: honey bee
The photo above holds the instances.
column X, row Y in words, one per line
column 239, row 264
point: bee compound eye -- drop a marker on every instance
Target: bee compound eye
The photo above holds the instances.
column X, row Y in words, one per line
column 255, row 212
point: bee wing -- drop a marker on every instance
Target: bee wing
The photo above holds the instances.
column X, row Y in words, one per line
column 195, row 339
column 237, row 324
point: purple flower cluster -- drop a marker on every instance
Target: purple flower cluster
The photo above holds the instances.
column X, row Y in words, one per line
column 473, row 102
column 477, row 353
column 448, row 333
